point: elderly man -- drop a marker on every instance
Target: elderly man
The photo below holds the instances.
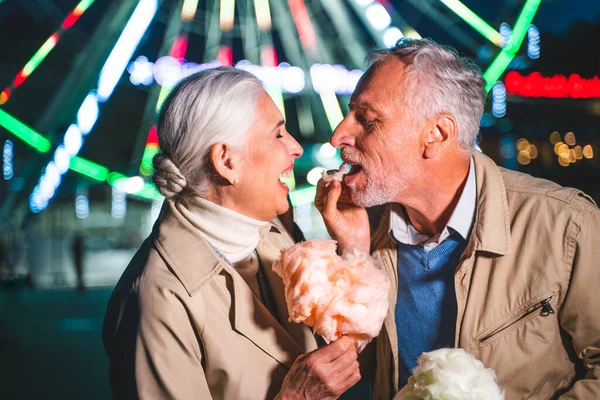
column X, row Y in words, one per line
column 494, row 261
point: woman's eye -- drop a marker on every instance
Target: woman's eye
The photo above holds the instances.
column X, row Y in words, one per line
column 279, row 136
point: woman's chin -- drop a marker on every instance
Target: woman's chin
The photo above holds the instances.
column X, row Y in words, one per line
column 284, row 187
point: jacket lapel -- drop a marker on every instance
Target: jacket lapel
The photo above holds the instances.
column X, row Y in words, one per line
column 182, row 246
column 385, row 251
column 284, row 341
column 268, row 251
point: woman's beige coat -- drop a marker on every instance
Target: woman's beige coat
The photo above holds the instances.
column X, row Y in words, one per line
column 182, row 324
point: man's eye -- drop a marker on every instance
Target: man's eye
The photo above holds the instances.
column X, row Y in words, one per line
column 279, row 136
column 367, row 123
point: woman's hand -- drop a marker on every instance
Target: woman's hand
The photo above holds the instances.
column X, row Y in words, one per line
column 325, row 373
column 345, row 221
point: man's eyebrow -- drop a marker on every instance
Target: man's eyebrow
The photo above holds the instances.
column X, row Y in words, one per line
column 363, row 106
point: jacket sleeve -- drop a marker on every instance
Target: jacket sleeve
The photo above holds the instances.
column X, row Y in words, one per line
column 580, row 316
column 160, row 355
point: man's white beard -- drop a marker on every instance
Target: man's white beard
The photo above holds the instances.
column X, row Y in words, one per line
column 373, row 194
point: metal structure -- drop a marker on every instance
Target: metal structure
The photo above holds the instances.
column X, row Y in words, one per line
column 324, row 42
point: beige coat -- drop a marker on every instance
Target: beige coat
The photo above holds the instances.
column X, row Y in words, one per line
column 182, row 324
column 527, row 285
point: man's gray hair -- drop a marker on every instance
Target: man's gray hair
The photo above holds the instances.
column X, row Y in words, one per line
column 212, row 106
column 437, row 81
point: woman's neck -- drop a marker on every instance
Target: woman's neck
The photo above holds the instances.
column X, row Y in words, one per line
column 233, row 234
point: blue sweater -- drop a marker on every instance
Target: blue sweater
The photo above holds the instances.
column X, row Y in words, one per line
column 426, row 307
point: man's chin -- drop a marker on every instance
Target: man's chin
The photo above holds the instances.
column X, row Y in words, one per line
column 365, row 198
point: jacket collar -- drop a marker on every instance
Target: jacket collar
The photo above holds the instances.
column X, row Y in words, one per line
column 188, row 254
column 491, row 227
column 491, row 230
column 194, row 262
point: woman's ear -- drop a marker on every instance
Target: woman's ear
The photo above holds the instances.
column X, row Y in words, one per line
column 225, row 162
column 441, row 132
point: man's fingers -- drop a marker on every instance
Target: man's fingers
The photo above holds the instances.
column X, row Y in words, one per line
column 331, row 200
column 322, row 192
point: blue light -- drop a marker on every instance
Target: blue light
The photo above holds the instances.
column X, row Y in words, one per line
column 533, row 38
column 82, row 206
column 7, row 160
column 505, row 34
column 498, row 100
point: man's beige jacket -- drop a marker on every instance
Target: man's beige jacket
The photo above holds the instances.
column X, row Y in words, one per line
column 182, row 324
column 527, row 288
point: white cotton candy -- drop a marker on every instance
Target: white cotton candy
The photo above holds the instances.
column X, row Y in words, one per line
column 451, row 374
column 336, row 176
column 335, row 295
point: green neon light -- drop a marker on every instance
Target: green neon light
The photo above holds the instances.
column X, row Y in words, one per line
column 332, row 109
column 275, row 93
column 149, row 192
column 39, row 55
column 89, row 168
column 164, row 92
column 302, row 196
column 83, row 5
column 113, row 177
column 150, row 151
column 474, row 20
column 499, row 65
column 23, row 132
column 78, row 164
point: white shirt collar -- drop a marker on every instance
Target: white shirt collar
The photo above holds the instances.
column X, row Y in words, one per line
column 461, row 220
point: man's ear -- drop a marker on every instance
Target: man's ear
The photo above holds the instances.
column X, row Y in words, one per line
column 441, row 132
column 224, row 162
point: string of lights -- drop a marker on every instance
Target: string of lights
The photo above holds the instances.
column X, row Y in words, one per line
column 89, row 111
column 43, row 51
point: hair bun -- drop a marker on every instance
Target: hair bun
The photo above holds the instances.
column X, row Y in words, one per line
column 167, row 177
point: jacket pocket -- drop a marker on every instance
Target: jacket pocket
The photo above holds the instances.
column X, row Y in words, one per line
column 538, row 308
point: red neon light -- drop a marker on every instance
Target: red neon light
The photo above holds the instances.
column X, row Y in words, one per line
column 54, row 38
column 4, row 96
column 70, row 20
column 225, row 55
column 557, row 86
column 152, row 136
column 179, row 47
column 19, row 79
column 303, row 24
column 269, row 56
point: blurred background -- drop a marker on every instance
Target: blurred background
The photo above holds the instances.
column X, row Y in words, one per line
column 81, row 82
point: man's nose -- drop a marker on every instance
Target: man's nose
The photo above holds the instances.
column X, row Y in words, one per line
column 343, row 135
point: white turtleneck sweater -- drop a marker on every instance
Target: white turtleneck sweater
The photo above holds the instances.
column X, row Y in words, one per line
column 233, row 234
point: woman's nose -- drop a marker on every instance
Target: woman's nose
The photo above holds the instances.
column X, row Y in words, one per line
column 294, row 147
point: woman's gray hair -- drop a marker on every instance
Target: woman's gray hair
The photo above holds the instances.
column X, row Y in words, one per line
column 437, row 81
column 212, row 106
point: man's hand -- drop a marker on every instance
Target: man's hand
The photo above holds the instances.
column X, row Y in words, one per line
column 325, row 373
column 345, row 221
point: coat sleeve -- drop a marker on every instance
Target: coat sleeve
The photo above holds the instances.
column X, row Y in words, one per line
column 160, row 354
column 579, row 315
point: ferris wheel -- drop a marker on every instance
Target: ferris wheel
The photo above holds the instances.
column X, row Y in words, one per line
column 309, row 54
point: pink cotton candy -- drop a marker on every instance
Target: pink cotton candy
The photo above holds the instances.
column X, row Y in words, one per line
column 335, row 295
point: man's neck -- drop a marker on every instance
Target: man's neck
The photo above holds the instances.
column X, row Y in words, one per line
column 430, row 208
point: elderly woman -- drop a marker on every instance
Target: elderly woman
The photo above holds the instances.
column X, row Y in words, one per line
column 199, row 313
